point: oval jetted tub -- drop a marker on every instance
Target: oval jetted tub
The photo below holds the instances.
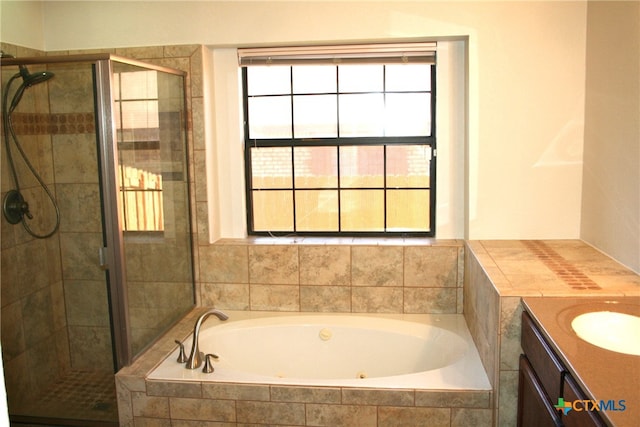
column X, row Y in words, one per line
column 389, row 351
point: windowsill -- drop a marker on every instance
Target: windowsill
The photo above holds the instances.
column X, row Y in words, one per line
column 345, row 241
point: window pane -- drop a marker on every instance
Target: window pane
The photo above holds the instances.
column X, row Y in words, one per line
column 270, row 117
column 272, row 211
column 361, row 115
column 362, row 166
column 315, row 116
column 314, row 79
column 360, row 78
column 408, row 114
column 408, row 165
column 408, row 210
column 362, row 210
column 408, row 77
column 316, row 167
column 269, row 80
column 271, row 167
column 317, row 210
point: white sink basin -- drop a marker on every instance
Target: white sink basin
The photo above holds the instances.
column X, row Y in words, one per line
column 610, row 330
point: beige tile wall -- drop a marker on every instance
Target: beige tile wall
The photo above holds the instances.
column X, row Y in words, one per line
column 264, row 274
column 32, row 309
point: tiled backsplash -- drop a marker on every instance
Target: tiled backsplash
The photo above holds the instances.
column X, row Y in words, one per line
column 269, row 274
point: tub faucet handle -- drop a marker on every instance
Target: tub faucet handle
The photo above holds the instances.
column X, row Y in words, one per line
column 208, row 364
column 182, row 357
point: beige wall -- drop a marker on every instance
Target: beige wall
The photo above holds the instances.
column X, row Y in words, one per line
column 525, row 94
column 526, row 84
column 611, row 189
column 22, row 23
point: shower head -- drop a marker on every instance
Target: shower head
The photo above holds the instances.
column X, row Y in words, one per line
column 30, row 79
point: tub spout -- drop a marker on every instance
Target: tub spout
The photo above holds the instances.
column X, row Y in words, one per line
column 196, row 356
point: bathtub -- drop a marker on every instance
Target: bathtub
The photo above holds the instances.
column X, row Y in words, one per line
column 428, row 352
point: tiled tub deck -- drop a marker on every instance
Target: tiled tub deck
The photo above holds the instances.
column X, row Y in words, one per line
column 159, row 403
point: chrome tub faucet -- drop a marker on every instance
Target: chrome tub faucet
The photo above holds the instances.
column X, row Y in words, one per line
column 196, row 357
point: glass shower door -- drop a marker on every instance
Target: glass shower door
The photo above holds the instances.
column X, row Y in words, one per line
column 153, row 196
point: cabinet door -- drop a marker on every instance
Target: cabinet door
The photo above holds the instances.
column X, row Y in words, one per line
column 534, row 408
column 584, row 418
column 543, row 360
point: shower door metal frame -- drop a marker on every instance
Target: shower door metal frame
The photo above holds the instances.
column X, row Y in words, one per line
column 112, row 202
column 113, row 243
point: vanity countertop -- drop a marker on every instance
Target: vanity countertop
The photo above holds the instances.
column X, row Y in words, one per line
column 602, row 374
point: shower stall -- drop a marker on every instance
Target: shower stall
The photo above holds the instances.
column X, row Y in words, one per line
column 96, row 232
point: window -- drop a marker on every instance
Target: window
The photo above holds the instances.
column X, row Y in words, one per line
column 343, row 149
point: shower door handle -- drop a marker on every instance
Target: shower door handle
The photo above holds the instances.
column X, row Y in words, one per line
column 102, row 258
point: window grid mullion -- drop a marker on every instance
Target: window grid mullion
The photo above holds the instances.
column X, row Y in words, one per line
column 293, row 156
column 384, row 152
column 384, row 185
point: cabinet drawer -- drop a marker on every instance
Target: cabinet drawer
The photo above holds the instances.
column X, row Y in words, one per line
column 578, row 418
column 543, row 360
column 534, row 409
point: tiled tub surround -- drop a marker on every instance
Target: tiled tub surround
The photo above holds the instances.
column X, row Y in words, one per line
column 164, row 403
column 333, row 275
column 499, row 273
column 317, row 275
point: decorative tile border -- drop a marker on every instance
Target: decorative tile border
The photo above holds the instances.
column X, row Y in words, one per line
column 46, row 124
column 562, row 268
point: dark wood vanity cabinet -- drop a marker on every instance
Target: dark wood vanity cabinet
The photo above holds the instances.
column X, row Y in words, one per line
column 534, row 409
column 543, row 380
column 571, row 392
column 540, row 379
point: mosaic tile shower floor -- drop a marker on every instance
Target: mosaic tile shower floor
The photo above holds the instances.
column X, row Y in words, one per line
column 80, row 395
